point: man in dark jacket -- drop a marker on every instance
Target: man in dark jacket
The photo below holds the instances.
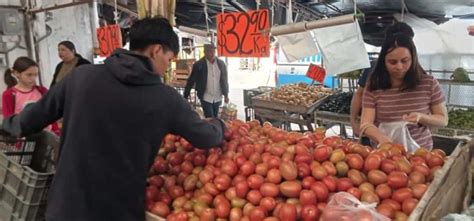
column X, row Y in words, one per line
column 209, row 74
column 113, row 127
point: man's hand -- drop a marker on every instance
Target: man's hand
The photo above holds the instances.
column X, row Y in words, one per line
column 226, row 99
column 413, row 117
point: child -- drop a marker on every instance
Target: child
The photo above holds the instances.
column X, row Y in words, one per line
column 22, row 89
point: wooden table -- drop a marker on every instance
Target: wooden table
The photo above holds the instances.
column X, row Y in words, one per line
column 282, row 115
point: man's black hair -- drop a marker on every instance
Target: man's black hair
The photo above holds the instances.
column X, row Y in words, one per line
column 150, row 31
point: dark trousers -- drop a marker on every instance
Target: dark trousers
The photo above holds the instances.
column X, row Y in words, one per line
column 211, row 110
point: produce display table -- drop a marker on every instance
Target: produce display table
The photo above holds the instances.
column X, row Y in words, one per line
column 286, row 113
column 450, row 191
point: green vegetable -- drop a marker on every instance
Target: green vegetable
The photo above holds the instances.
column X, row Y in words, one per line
column 460, row 75
column 461, row 119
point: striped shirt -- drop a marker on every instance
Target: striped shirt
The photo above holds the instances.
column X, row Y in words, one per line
column 390, row 105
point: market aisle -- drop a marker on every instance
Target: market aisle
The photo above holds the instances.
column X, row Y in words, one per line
column 244, row 79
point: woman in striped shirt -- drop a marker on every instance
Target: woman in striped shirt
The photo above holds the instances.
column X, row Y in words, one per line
column 400, row 90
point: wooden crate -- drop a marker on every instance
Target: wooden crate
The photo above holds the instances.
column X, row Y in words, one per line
column 326, row 116
column 182, row 71
column 450, row 191
column 260, row 102
column 453, row 132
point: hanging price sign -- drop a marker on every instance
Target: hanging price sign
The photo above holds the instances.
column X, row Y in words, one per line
column 110, row 38
column 316, row 73
column 244, row 34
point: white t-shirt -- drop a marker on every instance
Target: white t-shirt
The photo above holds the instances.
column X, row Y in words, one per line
column 213, row 93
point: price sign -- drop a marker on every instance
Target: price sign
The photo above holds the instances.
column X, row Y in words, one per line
column 316, row 73
column 244, row 34
column 110, row 38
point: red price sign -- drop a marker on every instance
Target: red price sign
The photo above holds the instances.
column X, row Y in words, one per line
column 244, row 34
column 110, row 38
column 316, row 73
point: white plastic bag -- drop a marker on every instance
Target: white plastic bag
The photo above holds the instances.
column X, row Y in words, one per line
column 399, row 133
column 229, row 112
column 344, row 206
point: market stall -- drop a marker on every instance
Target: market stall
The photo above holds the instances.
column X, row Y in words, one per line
column 286, row 175
column 290, row 104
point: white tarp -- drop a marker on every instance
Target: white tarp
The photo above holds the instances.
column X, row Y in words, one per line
column 298, row 45
column 442, row 47
column 342, row 47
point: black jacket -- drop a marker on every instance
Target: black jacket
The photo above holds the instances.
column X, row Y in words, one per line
column 113, row 127
column 80, row 62
column 199, row 77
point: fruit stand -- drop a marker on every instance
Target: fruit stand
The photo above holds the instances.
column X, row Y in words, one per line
column 461, row 123
column 288, row 104
column 266, row 173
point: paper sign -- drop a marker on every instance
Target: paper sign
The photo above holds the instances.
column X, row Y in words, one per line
column 298, row 46
column 243, row 34
column 110, row 38
column 316, row 73
column 342, row 47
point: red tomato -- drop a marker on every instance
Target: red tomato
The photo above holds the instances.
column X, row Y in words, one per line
column 383, row 191
column 322, row 192
column 241, row 189
column 247, row 168
column 307, row 197
column 258, row 214
column 269, row 190
column 355, row 192
column 343, row 184
column 409, row 205
column 160, row 209
column 290, row 189
column 372, row 162
column 255, row 181
column 287, row 212
column 330, row 182
column 274, row 176
column 402, row 194
column 310, row 213
column 397, row 179
column 222, row 182
column 288, row 170
column 269, row 203
column 254, row 197
column 355, row 161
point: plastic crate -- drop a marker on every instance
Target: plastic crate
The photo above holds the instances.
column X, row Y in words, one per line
column 26, row 172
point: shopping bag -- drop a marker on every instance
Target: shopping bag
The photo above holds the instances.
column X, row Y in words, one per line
column 399, row 133
column 229, row 112
column 344, row 206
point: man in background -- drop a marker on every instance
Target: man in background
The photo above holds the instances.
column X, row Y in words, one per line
column 209, row 76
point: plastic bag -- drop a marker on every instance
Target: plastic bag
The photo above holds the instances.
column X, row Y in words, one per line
column 229, row 112
column 344, row 206
column 399, row 133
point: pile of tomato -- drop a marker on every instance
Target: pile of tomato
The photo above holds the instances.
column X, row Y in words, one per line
column 264, row 173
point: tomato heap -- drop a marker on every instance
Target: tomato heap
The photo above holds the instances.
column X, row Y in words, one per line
column 265, row 173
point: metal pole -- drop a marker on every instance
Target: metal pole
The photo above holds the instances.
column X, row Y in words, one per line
column 94, row 23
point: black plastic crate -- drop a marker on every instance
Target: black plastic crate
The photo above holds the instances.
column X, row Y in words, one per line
column 26, row 172
column 249, row 93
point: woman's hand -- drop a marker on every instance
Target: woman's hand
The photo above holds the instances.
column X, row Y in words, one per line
column 413, row 117
column 384, row 139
